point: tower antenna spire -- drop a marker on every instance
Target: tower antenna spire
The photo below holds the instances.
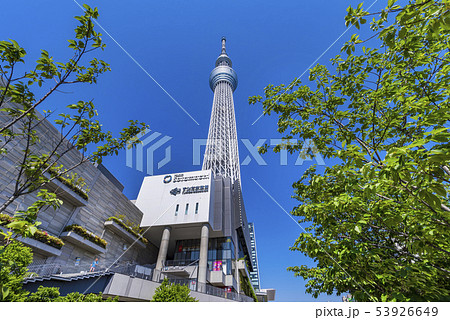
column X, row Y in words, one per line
column 224, row 40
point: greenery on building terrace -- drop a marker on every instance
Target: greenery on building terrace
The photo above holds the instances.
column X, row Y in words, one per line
column 72, row 181
column 130, row 227
column 86, row 235
column 39, row 235
column 247, row 287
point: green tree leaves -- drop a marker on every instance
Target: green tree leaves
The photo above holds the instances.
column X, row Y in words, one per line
column 51, row 294
column 169, row 292
column 382, row 212
column 80, row 131
column 14, row 258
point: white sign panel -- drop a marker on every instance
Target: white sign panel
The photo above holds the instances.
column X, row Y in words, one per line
column 178, row 198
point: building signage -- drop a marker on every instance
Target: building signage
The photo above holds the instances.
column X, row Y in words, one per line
column 198, row 189
column 189, row 190
column 182, row 178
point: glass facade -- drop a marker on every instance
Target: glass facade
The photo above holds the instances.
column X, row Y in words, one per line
column 221, row 253
column 254, row 275
column 187, row 251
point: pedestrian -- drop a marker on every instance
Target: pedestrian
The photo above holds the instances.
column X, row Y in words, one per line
column 93, row 265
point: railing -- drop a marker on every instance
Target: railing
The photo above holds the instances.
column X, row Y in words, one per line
column 146, row 272
column 134, row 270
column 194, row 285
column 40, row 270
column 182, row 263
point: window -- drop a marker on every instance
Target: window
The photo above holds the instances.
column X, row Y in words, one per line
column 187, row 208
column 196, row 208
column 176, row 209
column 187, row 251
column 221, row 254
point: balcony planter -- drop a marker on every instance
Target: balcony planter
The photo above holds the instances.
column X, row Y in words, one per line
column 81, row 237
column 40, row 247
column 79, row 241
column 37, row 246
column 40, row 242
column 123, row 233
column 65, row 192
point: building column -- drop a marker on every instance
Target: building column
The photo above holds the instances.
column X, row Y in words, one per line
column 236, row 269
column 203, row 261
column 162, row 254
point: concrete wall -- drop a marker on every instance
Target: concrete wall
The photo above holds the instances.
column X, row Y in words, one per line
column 130, row 289
column 135, row 289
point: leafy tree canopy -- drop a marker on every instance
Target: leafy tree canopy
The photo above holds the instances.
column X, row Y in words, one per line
column 51, row 294
column 14, row 259
column 38, row 157
column 378, row 221
column 169, row 292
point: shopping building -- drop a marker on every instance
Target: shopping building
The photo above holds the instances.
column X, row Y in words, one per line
column 199, row 225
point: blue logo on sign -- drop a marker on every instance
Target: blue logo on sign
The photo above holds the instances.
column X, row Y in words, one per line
column 167, row 179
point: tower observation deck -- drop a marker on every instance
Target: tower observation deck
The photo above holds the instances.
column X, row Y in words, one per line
column 222, row 155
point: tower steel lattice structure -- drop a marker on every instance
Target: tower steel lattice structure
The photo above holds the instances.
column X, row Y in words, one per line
column 222, row 155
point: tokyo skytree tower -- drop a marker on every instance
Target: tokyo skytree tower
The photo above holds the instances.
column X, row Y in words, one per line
column 221, row 155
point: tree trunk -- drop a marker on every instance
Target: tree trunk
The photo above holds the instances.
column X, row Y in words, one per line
column 7, row 203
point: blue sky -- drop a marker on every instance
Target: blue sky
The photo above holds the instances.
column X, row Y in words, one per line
column 177, row 42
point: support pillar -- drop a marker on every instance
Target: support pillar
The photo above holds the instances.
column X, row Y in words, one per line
column 236, row 271
column 203, row 261
column 162, row 254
